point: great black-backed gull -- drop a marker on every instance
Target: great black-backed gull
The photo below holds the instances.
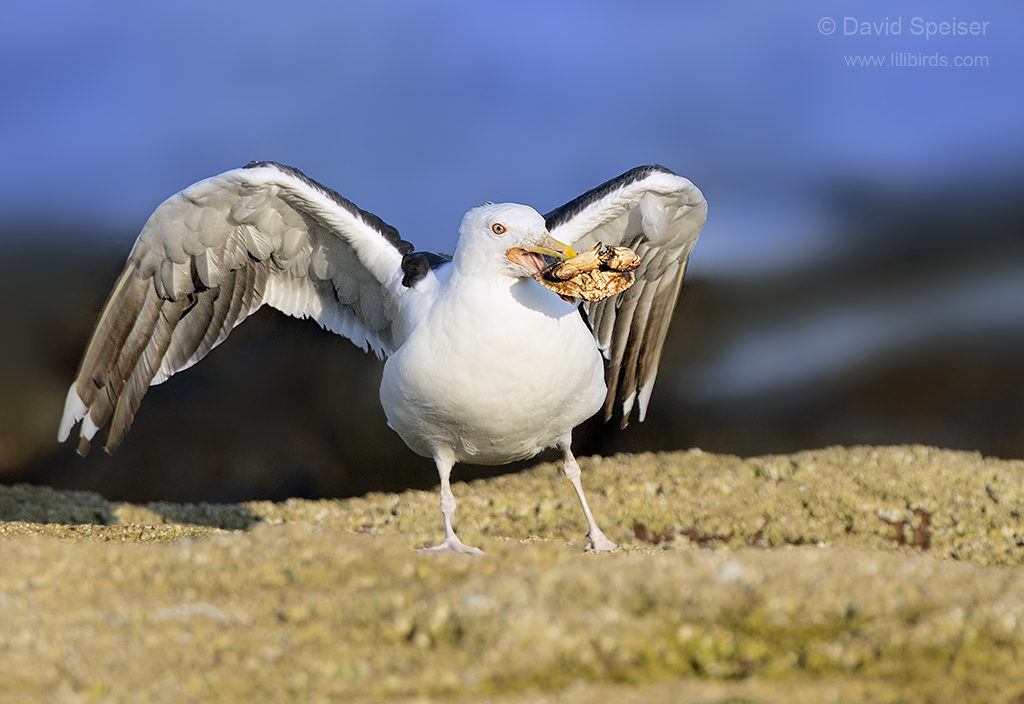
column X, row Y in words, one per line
column 484, row 365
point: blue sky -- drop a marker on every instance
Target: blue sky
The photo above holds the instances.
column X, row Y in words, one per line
column 420, row 110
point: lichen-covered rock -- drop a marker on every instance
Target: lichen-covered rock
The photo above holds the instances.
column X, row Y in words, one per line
column 846, row 574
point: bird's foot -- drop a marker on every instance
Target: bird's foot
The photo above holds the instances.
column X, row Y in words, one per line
column 452, row 545
column 598, row 542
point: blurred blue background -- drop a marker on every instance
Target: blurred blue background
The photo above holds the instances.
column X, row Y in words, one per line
column 860, row 215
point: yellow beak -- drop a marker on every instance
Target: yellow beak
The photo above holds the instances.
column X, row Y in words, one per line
column 548, row 245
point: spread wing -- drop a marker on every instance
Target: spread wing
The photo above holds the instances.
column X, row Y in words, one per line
column 659, row 215
column 209, row 257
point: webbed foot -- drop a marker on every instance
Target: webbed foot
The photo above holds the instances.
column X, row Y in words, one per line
column 599, row 542
column 452, row 545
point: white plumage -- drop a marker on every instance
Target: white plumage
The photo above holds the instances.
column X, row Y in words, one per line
column 483, row 364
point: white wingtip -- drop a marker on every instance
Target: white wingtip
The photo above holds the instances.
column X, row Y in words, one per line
column 74, row 411
column 645, row 396
column 627, row 404
column 89, row 428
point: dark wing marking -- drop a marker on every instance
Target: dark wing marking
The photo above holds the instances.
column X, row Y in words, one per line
column 415, row 266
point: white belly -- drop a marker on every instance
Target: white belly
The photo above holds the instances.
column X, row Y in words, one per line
column 495, row 382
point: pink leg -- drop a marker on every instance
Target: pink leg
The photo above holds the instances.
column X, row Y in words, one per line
column 596, row 539
column 445, row 460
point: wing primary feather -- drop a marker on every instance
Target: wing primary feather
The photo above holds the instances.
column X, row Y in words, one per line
column 133, row 350
column 135, row 344
column 634, row 347
column 124, row 328
column 662, row 306
column 617, row 349
column 138, row 381
column 108, row 335
column 602, row 321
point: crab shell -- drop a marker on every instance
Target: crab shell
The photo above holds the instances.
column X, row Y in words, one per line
column 599, row 257
column 593, row 275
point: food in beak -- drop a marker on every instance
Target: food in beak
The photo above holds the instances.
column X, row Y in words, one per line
column 592, row 275
column 600, row 258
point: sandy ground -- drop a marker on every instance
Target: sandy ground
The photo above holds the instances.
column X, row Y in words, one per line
column 866, row 574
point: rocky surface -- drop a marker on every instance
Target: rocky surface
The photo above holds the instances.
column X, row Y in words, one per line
column 881, row 574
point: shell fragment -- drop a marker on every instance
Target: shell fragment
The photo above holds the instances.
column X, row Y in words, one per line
column 592, row 275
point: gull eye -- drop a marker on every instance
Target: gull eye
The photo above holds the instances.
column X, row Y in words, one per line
column 498, row 229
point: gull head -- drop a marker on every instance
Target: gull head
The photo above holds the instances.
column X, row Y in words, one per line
column 507, row 239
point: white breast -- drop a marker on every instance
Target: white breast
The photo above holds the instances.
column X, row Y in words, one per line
column 496, row 372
